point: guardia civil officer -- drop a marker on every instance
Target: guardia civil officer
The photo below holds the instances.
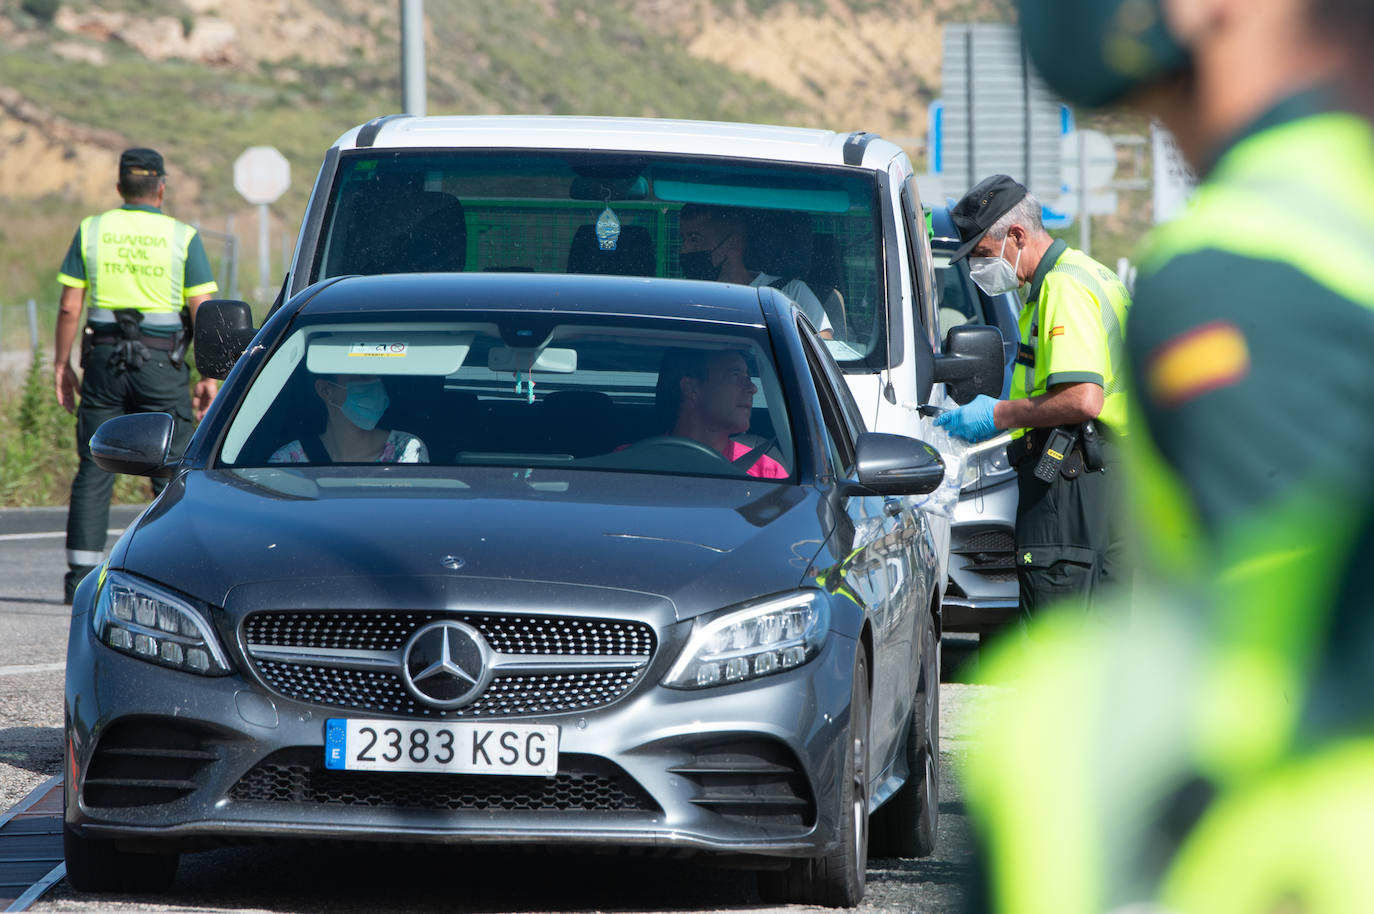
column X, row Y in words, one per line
column 1067, row 407
column 1216, row 753
column 140, row 274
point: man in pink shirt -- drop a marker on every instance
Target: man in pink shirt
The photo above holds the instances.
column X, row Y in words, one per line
column 712, row 398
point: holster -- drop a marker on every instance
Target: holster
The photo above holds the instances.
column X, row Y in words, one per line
column 129, row 352
column 1090, row 440
column 181, row 340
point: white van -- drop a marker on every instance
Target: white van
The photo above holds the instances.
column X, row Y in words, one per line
column 839, row 212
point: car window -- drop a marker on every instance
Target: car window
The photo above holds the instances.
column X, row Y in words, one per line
column 808, row 226
column 843, row 422
column 508, row 389
column 919, row 255
column 959, row 302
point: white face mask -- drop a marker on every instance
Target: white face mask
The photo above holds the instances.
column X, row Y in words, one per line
column 993, row 274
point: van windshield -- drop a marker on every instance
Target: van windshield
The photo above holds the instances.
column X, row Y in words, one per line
column 812, row 232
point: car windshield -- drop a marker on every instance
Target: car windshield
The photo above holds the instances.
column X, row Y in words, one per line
column 813, row 231
column 590, row 392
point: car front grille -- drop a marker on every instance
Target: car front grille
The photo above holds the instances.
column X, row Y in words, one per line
column 353, row 660
column 508, row 633
column 386, row 694
column 753, row 781
column 146, row 762
column 989, row 554
column 584, row 783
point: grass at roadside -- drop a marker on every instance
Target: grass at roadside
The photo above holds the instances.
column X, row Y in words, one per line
column 38, row 445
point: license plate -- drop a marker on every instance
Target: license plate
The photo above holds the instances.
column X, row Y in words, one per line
column 459, row 747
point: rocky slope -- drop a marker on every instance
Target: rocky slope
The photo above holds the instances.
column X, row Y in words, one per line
column 203, row 79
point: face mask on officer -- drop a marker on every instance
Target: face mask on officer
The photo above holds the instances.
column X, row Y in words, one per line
column 364, row 403
column 993, row 274
column 1097, row 52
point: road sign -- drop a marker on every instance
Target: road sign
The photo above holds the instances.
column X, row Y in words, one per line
column 1174, row 180
column 1099, row 159
column 261, row 174
column 996, row 116
column 1100, row 203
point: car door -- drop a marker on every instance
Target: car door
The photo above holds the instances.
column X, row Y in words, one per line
column 891, row 559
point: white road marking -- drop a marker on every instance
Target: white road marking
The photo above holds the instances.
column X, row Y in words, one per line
column 21, row 669
column 4, row 537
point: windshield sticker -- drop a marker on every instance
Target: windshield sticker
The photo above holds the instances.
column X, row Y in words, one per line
column 377, row 350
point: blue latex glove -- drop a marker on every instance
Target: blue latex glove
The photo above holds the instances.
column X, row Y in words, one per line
column 972, row 421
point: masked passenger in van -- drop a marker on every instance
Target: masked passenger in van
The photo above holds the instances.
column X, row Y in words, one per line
column 715, row 240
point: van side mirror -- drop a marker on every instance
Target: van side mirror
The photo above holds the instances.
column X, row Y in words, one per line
column 971, row 363
column 223, row 330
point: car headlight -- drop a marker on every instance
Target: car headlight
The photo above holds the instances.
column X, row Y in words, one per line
column 142, row 620
column 985, row 468
column 747, row 642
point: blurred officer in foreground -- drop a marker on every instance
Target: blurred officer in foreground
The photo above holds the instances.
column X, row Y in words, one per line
column 142, row 274
column 1068, row 394
column 1215, row 752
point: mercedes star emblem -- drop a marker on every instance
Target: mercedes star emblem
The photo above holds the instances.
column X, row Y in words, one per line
column 445, row 664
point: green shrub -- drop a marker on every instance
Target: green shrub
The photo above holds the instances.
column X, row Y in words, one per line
column 38, row 446
column 42, row 10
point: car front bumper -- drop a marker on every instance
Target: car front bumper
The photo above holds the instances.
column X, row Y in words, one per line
column 982, row 593
column 163, row 759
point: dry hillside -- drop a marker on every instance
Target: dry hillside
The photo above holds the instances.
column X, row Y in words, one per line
column 203, row 79
column 873, row 67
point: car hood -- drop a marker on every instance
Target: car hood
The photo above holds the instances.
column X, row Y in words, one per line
column 419, row 533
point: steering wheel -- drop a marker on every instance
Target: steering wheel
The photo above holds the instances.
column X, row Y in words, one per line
column 680, row 441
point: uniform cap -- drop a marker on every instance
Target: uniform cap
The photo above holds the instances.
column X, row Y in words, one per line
column 980, row 208
column 141, row 161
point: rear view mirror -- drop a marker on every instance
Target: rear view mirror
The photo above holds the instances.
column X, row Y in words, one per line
column 223, row 330
column 971, row 363
column 138, row 444
column 558, row 361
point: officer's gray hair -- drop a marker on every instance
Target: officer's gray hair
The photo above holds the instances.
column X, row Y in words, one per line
column 1025, row 213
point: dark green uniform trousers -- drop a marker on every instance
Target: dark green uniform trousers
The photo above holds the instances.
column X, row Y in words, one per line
column 111, row 386
column 1068, row 535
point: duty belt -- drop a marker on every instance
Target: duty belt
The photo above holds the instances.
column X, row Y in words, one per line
column 105, row 338
column 131, row 344
column 1033, row 442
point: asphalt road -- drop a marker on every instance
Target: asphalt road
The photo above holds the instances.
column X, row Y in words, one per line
column 33, row 631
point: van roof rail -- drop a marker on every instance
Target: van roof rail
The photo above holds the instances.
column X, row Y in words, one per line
column 368, row 134
column 855, row 144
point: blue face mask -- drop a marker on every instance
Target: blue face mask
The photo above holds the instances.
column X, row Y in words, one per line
column 365, row 403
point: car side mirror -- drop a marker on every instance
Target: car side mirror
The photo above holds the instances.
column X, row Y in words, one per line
column 895, row 465
column 971, row 363
column 223, row 330
column 139, row 444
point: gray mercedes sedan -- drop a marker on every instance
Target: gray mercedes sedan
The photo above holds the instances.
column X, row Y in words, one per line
column 499, row 559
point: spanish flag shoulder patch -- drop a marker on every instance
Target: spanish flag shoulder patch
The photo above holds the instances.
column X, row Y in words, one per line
column 1057, row 331
column 1203, row 359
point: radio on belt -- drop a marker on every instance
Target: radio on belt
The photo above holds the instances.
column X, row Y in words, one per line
column 1052, row 457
